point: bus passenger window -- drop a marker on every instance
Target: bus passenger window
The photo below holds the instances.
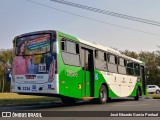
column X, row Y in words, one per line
column 130, row 70
column 77, row 48
column 96, row 54
column 70, row 52
column 112, row 63
column 137, row 69
column 63, row 46
column 112, row 59
column 71, row 47
column 121, row 66
column 100, row 60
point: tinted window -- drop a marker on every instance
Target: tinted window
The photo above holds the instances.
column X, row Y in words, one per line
column 63, row 45
column 69, row 46
column 137, row 69
column 121, row 66
column 121, row 62
column 71, row 59
column 130, row 70
column 70, row 52
column 112, row 66
column 100, row 60
column 130, row 64
column 112, row 59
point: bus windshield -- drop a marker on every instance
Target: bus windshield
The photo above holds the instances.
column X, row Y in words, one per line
column 32, row 45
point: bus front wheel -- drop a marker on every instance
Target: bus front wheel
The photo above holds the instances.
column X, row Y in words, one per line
column 103, row 95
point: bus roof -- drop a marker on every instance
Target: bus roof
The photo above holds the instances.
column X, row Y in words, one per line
column 104, row 48
column 107, row 49
column 95, row 45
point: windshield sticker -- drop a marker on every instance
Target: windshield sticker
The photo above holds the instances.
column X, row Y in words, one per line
column 36, row 64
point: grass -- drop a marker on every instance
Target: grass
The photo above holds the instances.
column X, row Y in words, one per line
column 7, row 99
column 155, row 96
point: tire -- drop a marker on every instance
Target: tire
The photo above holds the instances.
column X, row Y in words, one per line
column 103, row 97
column 157, row 91
column 137, row 95
column 68, row 101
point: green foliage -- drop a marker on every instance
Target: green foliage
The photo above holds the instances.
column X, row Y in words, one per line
column 130, row 54
column 5, row 61
column 152, row 62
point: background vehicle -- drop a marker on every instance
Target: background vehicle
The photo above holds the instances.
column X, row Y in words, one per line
column 57, row 64
column 153, row 89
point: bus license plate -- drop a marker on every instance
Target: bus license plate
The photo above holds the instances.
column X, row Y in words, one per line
column 25, row 88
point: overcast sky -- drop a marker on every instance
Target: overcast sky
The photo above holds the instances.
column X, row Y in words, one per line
column 19, row 16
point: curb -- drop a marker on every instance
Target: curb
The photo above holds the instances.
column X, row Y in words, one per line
column 147, row 97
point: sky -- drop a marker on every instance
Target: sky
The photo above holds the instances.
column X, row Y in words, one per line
column 20, row 16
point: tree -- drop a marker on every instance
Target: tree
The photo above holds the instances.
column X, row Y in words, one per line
column 130, row 54
column 152, row 62
column 5, row 61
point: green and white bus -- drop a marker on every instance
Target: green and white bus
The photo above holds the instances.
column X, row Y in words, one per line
column 53, row 63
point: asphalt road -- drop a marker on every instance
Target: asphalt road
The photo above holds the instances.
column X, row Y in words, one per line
column 114, row 105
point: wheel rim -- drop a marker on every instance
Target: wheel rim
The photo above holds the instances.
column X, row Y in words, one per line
column 157, row 92
column 103, row 95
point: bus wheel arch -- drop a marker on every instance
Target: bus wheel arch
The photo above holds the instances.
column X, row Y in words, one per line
column 138, row 93
column 140, row 90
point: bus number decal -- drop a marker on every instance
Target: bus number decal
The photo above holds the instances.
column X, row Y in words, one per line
column 42, row 67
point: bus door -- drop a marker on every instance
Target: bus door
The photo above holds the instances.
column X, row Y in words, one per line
column 88, row 72
column 143, row 78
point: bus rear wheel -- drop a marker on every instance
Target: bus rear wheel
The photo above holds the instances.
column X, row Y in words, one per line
column 103, row 95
